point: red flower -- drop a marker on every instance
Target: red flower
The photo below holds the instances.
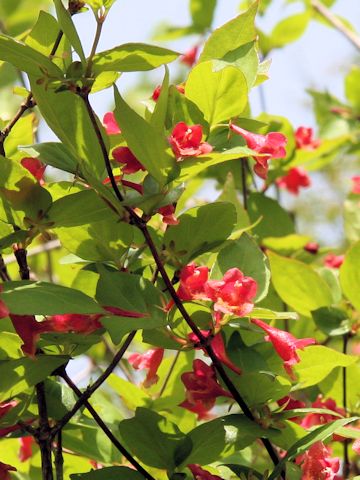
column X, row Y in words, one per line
column 312, row 419
column 157, row 91
column 201, row 474
column 201, row 385
column 167, row 213
column 192, row 282
column 4, row 471
column 356, row 184
column 185, row 141
column 199, row 408
column 189, row 57
column 35, row 167
column 312, row 247
column 124, row 155
column 317, row 463
column 291, row 404
column 233, row 294
column 270, row 146
column 111, row 126
column 25, row 451
column 294, row 179
column 74, row 322
column 150, row 360
column 304, row 138
column 334, row 261
column 284, row 343
column 29, row 331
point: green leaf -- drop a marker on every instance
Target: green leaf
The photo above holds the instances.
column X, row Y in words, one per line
column 220, row 95
column 26, row 59
column 109, row 473
column 200, row 230
column 299, row 285
column 130, row 394
column 243, row 470
column 159, row 114
column 267, row 314
column 54, row 154
column 66, row 115
column 352, row 81
column 16, row 376
column 332, row 321
column 246, row 255
column 230, row 36
column 287, row 244
column 146, row 142
column 152, row 438
column 80, row 208
column 350, row 275
column 316, row 362
column 202, row 13
column 289, row 29
column 41, row 298
column 68, row 27
column 352, row 220
column 275, row 221
column 181, row 109
column 317, row 435
column 132, row 57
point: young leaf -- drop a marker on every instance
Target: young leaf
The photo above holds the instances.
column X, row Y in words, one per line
column 289, row 29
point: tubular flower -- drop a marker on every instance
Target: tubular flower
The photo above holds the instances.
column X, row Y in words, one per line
column 334, row 261
column 25, row 451
column 189, row 57
column 150, row 360
column 317, row 463
column 201, row 474
column 234, row 294
column 356, row 184
column 269, row 146
column 125, row 156
column 284, row 343
column 312, row 247
column 291, row 404
column 192, row 284
column 304, row 138
column 75, row 322
column 218, row 346
column 185, row 141
column 294, row 180
column 4, row 471
column 168, row 214
column 35, row 167
column 201, row 385
column 29, row 330
column 111, row 126
column 157, row 91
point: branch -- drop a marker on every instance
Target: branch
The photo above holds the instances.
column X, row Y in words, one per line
column 84, row 396
column 21, row 258
column 106, row 430
column 346, row 467
column 59, row 459
column 336, row 22
column 4, row 275
column 43, row 435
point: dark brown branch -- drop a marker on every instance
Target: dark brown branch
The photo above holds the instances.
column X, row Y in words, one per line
column 106, row 430
column 92, row 388
column 4, row 275
column 21, row 258
column 43, row 435
column 59, row 459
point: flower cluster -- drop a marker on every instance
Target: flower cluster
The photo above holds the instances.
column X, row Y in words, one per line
column 304, row 138
column 317, row 463
column 185, row 141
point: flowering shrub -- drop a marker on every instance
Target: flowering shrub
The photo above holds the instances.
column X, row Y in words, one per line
column 147, row 332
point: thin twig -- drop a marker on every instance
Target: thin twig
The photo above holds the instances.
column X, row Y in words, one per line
column 43, row 437
column 336, row 22
column 44, row 247
column 106, row 430
column 4, row 275
column 59, row 459
column 99, row 25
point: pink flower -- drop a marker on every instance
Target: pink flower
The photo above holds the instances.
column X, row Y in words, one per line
column 284, row 343
column 35, row 167
column 294, row 180
column 202, row 386
column 269, row 146
column 317, row 463
column 218, row 346
column 201, row 474
column 185, row 141
column 168, row 214
column 131, row 163
column 312, row 419
column 291, row 404
column 234, row 294
column 29, row 331
column 312, row 247
column 74, row 322
column 4, row 471
column 111, row 126
column 25, row 451
column 304, row 138
column 192, row 282
column 150, row 360
column 356, row 184
column 334, row 261
column 189, row 57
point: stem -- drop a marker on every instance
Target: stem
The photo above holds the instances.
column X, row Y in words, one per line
column 91, row 389
column 166, row 381
column 4, row 275
column 43, row 437
column 59, row 459
column 99, row 25
column 336, row 22
column 106, row 430
column 243, row 182
column 21, row 258
column 346, row 468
